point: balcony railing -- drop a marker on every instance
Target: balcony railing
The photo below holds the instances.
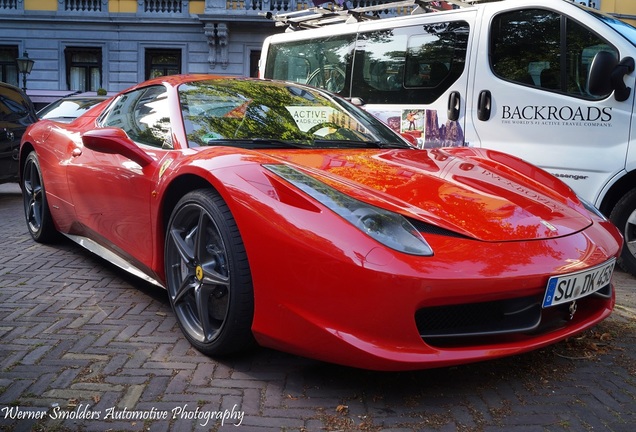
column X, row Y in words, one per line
column 8, row 5
column 83, row 5
column 248, row 8
column 163, row 6
column 283, row 6
column 273, row 5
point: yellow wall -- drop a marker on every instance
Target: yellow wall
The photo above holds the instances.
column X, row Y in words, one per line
column 627, row 7
column 197, row 6
column 608, row 5
column 44, row 5
column 114, row 6
column 122, row 6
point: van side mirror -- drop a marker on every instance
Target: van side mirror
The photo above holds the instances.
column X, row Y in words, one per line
column 606, row 75
column 621, row 91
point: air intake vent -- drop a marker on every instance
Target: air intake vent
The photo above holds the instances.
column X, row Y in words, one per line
column 426, row 228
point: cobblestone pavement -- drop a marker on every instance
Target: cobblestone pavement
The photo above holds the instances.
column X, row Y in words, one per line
column 85, row 347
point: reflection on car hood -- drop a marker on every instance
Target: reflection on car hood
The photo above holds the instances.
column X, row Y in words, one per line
column 474, row 196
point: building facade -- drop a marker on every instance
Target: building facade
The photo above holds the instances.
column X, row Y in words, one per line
column 623, row 9
column 85, row 45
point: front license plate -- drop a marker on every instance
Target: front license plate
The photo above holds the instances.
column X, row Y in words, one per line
column 572, row 286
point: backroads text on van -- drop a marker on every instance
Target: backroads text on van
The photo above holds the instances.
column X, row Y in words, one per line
column 564, row 113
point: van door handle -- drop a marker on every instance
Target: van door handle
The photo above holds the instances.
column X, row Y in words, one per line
column 454, row 104
column 483, row 105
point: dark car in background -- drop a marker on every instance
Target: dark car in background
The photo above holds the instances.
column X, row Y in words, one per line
column 69, row 108
column 16, row 113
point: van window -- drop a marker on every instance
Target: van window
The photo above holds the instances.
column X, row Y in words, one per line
column 321, row 63
column 545, row 49
column 409, row 64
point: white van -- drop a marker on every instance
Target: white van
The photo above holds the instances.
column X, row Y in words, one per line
column 550, row 81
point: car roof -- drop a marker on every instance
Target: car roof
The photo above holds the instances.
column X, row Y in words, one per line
column 7, row 89
column 89, row 95
column 176, row 80
column 16, row 94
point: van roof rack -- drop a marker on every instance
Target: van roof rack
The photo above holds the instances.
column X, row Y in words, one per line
column 335, row 14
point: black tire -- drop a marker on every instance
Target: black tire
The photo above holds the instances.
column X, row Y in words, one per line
column 36, row 207
column 207, row 275
column 624, row 217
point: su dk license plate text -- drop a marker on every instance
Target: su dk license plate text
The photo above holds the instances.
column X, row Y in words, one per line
column 573, row 286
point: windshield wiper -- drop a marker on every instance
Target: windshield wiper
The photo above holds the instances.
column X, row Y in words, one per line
column 273, row 143
column 392, row 145
column 360, row 144
column 259, row 143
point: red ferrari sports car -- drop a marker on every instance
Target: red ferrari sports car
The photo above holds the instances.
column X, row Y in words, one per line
column 282, row 215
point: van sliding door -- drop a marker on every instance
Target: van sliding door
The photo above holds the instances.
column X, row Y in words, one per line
column 414, row 77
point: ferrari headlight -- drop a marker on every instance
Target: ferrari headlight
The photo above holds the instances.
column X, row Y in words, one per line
column 391, row 229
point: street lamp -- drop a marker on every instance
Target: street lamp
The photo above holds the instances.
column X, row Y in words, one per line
column 25, row 66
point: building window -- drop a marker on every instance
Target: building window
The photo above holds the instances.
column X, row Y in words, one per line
column 8, row 66
column 254, row 58
column 161, row 62
column 83, row 68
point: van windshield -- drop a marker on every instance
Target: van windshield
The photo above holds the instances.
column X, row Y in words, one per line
column 626, row 30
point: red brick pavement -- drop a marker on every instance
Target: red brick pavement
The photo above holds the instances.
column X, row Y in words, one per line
column 85, row 347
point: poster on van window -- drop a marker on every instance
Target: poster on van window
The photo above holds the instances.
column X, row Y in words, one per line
column 308, row 117
column 423, row 127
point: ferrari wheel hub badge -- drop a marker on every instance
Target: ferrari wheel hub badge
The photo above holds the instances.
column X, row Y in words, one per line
column 198, row 272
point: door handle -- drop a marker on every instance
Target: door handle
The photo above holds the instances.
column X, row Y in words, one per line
column 484, row 105
column 454, row 105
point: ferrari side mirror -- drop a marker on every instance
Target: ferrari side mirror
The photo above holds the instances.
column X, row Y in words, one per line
column 115, row 141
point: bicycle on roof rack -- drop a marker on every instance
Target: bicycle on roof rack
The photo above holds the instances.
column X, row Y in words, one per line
column 351, row 11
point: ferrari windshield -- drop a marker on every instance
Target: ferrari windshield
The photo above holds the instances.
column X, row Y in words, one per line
column 265, row 114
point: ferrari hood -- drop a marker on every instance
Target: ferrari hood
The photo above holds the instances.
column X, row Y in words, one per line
column 464, row 191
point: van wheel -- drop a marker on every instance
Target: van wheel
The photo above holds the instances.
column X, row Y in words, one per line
column 624, row 217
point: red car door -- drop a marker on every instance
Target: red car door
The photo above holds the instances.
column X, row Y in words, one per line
column 111, row 192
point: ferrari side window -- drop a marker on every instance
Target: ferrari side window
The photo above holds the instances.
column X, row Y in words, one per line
column 143, row 114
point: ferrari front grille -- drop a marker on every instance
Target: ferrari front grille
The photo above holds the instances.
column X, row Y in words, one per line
column 488, row 322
